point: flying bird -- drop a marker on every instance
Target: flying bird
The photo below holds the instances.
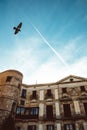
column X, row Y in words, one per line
column 17, row 29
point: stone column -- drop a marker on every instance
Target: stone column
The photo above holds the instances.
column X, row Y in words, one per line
column 41, row 95
column 57, row 109
column 41, row 110
column 40, row 126
column 77, row 107
column 77, row 126
column 58, row 126
column 85, row 125
column 56, row 94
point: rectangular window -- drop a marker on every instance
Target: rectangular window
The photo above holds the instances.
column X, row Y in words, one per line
column 49, row 111
column 50, row 127
column 32, row 127
column 34, row 94
column 22, row 102
column 18, row 110
column 82, row 88
column 22, row 110
column 8, row 78
column 69, row 127
column 34, row 111
column 67, row 110
column 23, row 95
column 18, row 128
column 64, row 90
column 85, row 107
column 49, row 92
column 19, row 86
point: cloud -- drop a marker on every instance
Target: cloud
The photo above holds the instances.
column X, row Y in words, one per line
column 38, row 63
column 52, row 71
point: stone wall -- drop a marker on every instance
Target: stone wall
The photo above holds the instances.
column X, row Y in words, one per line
column 10, row 85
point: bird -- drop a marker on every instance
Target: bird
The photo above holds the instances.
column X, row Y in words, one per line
column 17, row 29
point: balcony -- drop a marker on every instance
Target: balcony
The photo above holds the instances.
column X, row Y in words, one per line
column 33, row 97
column 45, row 118
column 74, row 117
column 65, row 98
column 83, row 96
column 24, row 117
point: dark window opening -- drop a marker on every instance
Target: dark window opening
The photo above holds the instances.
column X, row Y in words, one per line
column 50, row 127
column 49, row 94
column 67, row 110
column 69, row 126
column 23, row 95
column 18, row 128
column 64, row 90
column 49, row 111
column 22, row 102
column 32, row 127
column 71, row 80
column 82, row 88
column 85, row 107
column 13, row 110
column 8, row 78
column 19, row 86
column 34, row 94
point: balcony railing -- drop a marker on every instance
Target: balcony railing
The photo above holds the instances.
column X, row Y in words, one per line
column 33, row 117
column 53, row 118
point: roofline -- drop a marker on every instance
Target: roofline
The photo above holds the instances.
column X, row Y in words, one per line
column 37, row 85
column 12, row 71
column 70, row 76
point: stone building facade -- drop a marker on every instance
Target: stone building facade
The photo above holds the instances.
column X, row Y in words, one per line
column 53, row 106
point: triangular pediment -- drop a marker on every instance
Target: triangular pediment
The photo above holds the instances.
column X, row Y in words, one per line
column 72, row 78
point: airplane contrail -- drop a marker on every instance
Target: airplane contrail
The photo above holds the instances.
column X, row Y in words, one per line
column 56, row 53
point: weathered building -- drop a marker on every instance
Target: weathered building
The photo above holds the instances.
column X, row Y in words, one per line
column 53, row 106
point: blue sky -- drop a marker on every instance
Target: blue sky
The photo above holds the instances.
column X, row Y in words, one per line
column 52, row 43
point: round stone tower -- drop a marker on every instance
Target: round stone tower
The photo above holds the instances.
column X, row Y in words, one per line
column 10, row 85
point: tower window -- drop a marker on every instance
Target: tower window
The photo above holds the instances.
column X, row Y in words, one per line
column 8, row 78
column 82, row 88
column 19, row 86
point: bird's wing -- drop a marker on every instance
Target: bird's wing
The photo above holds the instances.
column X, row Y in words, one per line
column 16, row 31
column 20, row 25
